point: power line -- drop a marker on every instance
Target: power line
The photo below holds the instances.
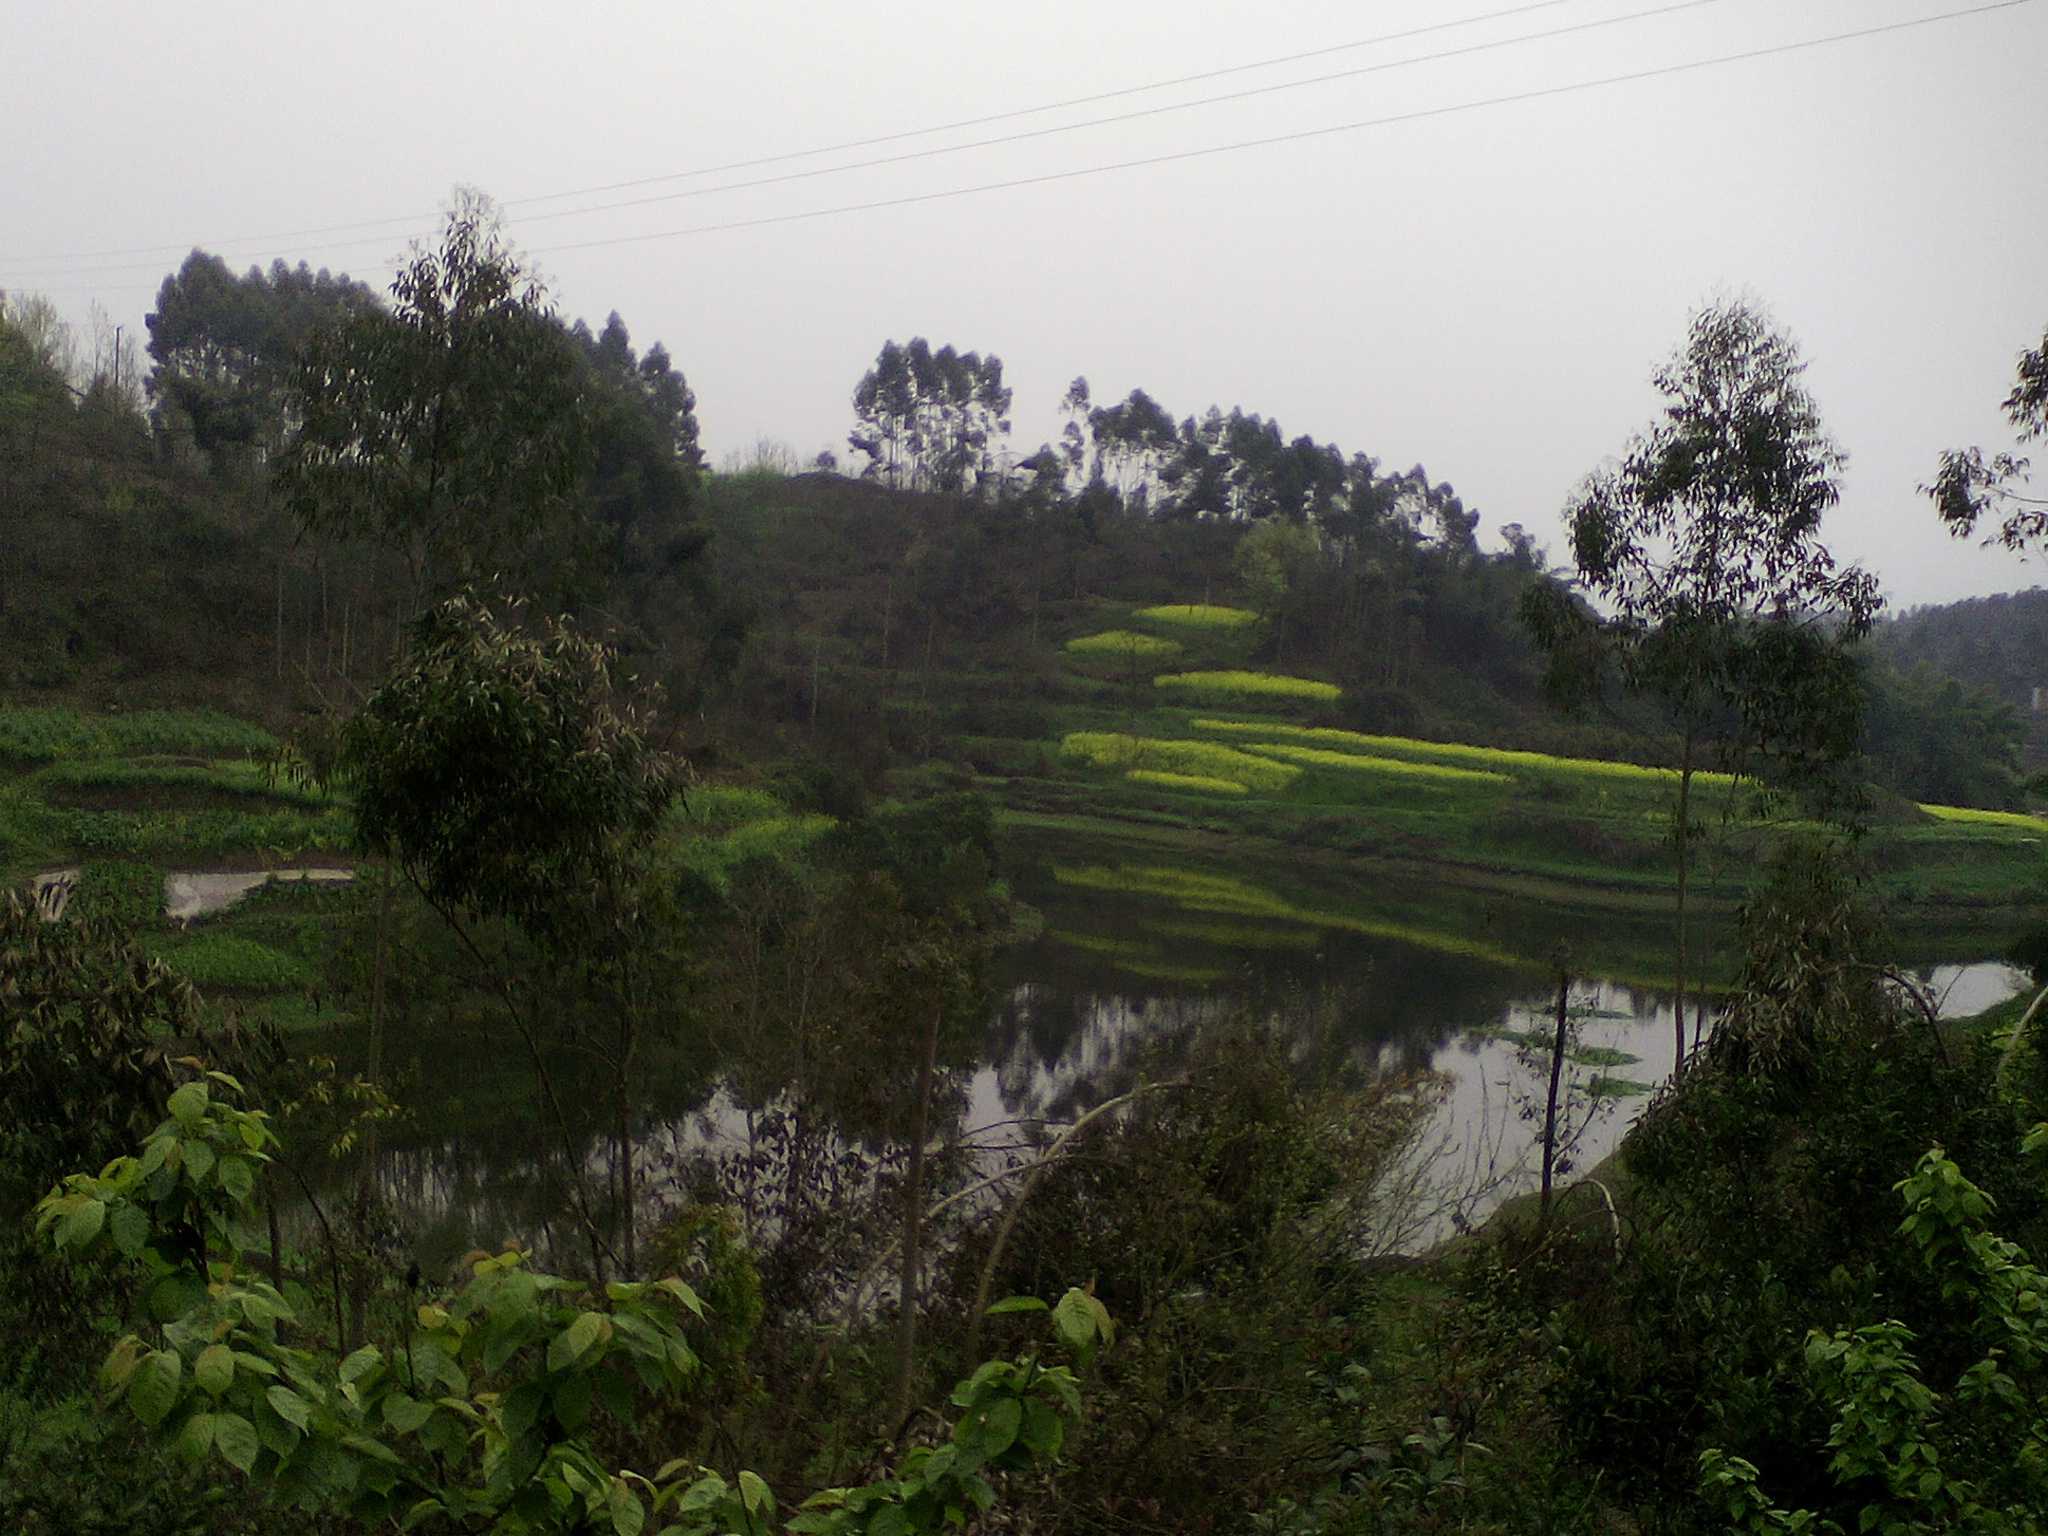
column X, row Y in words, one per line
column 1180, row 155
column 1127, row 117
column 850, row 144
column 1417, row 115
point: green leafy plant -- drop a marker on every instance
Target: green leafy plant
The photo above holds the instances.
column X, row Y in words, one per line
column 486, row 1411
column 1908, row 1457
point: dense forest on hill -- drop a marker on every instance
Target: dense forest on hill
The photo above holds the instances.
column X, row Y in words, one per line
column 157, row 556
column 569, row 1124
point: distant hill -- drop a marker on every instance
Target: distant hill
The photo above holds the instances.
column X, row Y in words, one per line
column 1998, row 644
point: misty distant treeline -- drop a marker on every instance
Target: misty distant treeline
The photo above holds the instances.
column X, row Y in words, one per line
column 899, row 602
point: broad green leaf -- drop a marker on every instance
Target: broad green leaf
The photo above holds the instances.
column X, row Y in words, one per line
column 1044, row 1429
column 572, row 1402
column 237, row 1178
column 521, row 1408
column 577, row 1340
column 628, row 1513
column 188, row 1104
column 120, row 1363
column 1017, row 1304
column 361, row 1363
column 376, row 1450
column 682, row 1292
column 235, row 1438
column 196, row 1438
column 1075, row 1319
column 173, row 1296
column 755, row 1494
column 215, row 1368
column 291, row 1407
column 129, row 1228
column 406, row 1414
column 153, row 1389
column 993, row 1429
column 198, row 1160
column 82, row 1225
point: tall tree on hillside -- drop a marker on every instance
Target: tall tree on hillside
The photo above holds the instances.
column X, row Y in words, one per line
column 1703, row 546
column 453, row 426
column 1968, row 486
column 224, row 348
column 644, row 454
column 931, row 420
column 1134, row 441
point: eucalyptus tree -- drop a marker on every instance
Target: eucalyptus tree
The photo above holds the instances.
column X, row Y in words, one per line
column 1701, row 547
column 452, row 426
column 224, row 347
column 931, row 420
column 508, row 771
column 1968, row 486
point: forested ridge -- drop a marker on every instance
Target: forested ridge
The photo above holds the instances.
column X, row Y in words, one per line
column 672, row 805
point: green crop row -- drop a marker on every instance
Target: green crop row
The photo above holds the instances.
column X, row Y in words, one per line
column 1122, row 642
column 234, row 776
column 1251, row 685
column 1199, row 615
column 1201, row 759
column 1491, row 758
column 1196, row 782
column 242, row 965
column 46, row 735
column 1969, row 817
column 1319, row 757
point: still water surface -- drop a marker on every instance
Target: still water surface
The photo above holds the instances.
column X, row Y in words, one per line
column 1379, row 972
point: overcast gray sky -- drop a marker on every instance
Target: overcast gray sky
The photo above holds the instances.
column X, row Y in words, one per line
column 1484, row 290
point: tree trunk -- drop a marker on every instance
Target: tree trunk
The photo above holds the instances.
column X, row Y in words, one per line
column 913, row 1225
column 1557, row 1044
column 1684, row 870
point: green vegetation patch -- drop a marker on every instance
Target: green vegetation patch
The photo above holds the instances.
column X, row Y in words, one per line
column 230, row 776
column 130, row 894
column 1197, row 759
column 1199, row 615
column 1224, row 935
column 783, row 836
column 1123, row 642
column 1185, row 975
column 1102, row 944
column 724, row 806
column 228, row 960
column 1491, row 758
column 1322, row 757
column 1969, row 817
column 1267, row 685
column 1196, row 782
column 46, row 735
column 1197, row 891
